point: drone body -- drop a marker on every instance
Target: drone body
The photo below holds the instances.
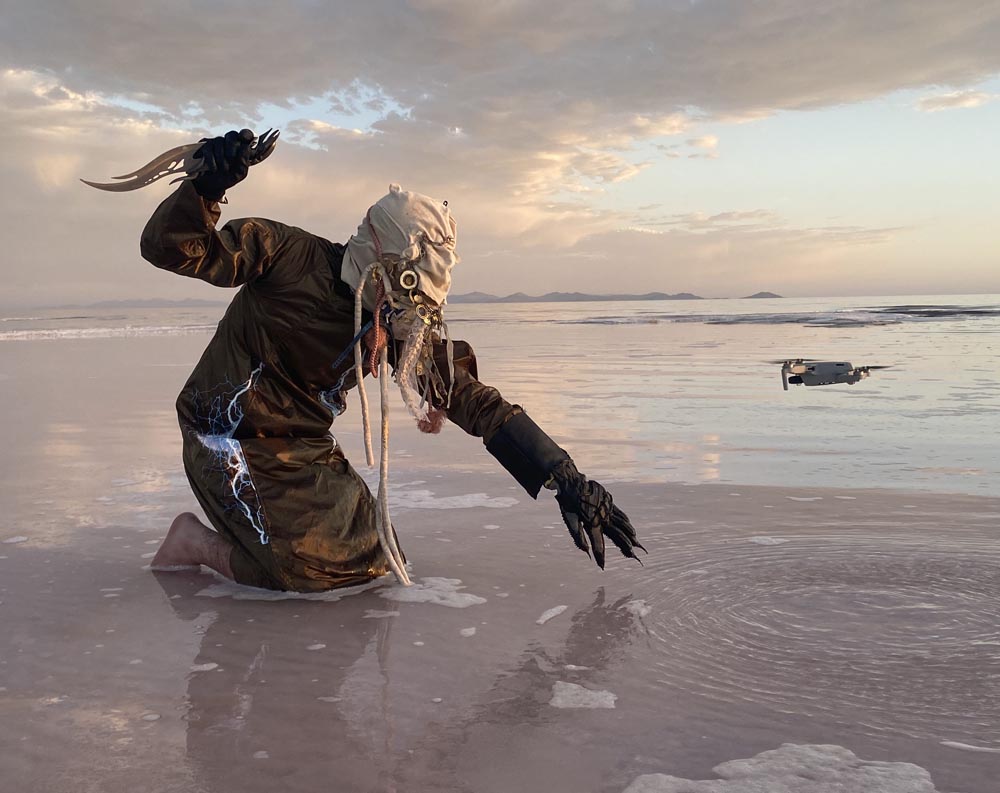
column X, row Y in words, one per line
column 810, row 373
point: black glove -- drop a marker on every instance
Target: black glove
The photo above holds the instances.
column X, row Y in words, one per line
column 226, row 162
column 589, row 512
column 535, row 460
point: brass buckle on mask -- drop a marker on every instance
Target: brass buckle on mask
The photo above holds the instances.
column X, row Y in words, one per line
column 428, row 315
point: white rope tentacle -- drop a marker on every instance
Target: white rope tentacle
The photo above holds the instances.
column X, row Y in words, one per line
column 406, row 375
column 387, row 537
column 359, row 370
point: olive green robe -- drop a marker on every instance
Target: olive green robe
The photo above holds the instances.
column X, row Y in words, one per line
column 256, row 412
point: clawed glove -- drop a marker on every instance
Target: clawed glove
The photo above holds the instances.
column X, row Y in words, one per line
column 535, row 460
column 226, row 162
column 589, row 512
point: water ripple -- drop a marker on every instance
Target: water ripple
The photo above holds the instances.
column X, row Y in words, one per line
column 898, row 635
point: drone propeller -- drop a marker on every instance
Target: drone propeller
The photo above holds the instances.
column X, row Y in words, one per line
column 796, row 360
column 869, row 368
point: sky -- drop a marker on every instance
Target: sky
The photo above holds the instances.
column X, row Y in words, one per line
column 719, row 147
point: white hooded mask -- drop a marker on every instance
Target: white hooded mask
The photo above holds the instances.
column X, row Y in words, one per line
column 418, row 229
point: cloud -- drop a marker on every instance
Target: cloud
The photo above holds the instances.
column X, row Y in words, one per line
column 955, row 99
column 710, row 142
column 526, row 117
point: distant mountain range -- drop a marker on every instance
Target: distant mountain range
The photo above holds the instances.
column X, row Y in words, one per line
column 564, row 297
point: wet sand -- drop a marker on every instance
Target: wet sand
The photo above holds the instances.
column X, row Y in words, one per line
column 866, row 620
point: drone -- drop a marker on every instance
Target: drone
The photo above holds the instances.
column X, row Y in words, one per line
column 805, row 371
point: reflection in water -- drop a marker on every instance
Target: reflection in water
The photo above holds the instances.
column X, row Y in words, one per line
column 271, row 699
column 337, row 717
column 505, row 740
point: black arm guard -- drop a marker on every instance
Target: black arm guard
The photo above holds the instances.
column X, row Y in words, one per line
column 528, row 454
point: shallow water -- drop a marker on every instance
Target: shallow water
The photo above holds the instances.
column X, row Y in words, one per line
column 667, row 391
column 514, row 661
column 863, row 618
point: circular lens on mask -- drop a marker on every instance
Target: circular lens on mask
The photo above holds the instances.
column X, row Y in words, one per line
column 408, row 279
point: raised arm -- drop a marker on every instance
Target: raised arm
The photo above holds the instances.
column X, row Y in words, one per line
column 181, row 235
column 534, row 459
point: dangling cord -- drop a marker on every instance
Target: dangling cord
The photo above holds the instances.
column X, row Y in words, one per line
column 359, row 372
column 450, row 349
column 380, row 338
column 386, row 536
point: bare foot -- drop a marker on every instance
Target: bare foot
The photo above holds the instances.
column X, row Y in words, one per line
column 190, row 543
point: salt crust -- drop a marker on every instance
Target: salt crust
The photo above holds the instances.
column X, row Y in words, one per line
column 797, row 768
column 555, row 611
column 440, row 591
column 570, row 695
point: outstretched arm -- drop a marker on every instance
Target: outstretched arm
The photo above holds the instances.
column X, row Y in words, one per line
column 534, row 459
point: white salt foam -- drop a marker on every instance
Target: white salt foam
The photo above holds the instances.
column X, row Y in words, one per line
column 15, row 540
column 468, row 632
column 555, row 611
column 804, row 498
column 968, row 747
column 764, row 540
column 847, row 498
column 328, row 699
column 806, row 768
column 570, row 695
column 638, row 608
column 440, row 591
column 204, row 667
column 375, row 614
column 425, row 499
column 316, row 647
